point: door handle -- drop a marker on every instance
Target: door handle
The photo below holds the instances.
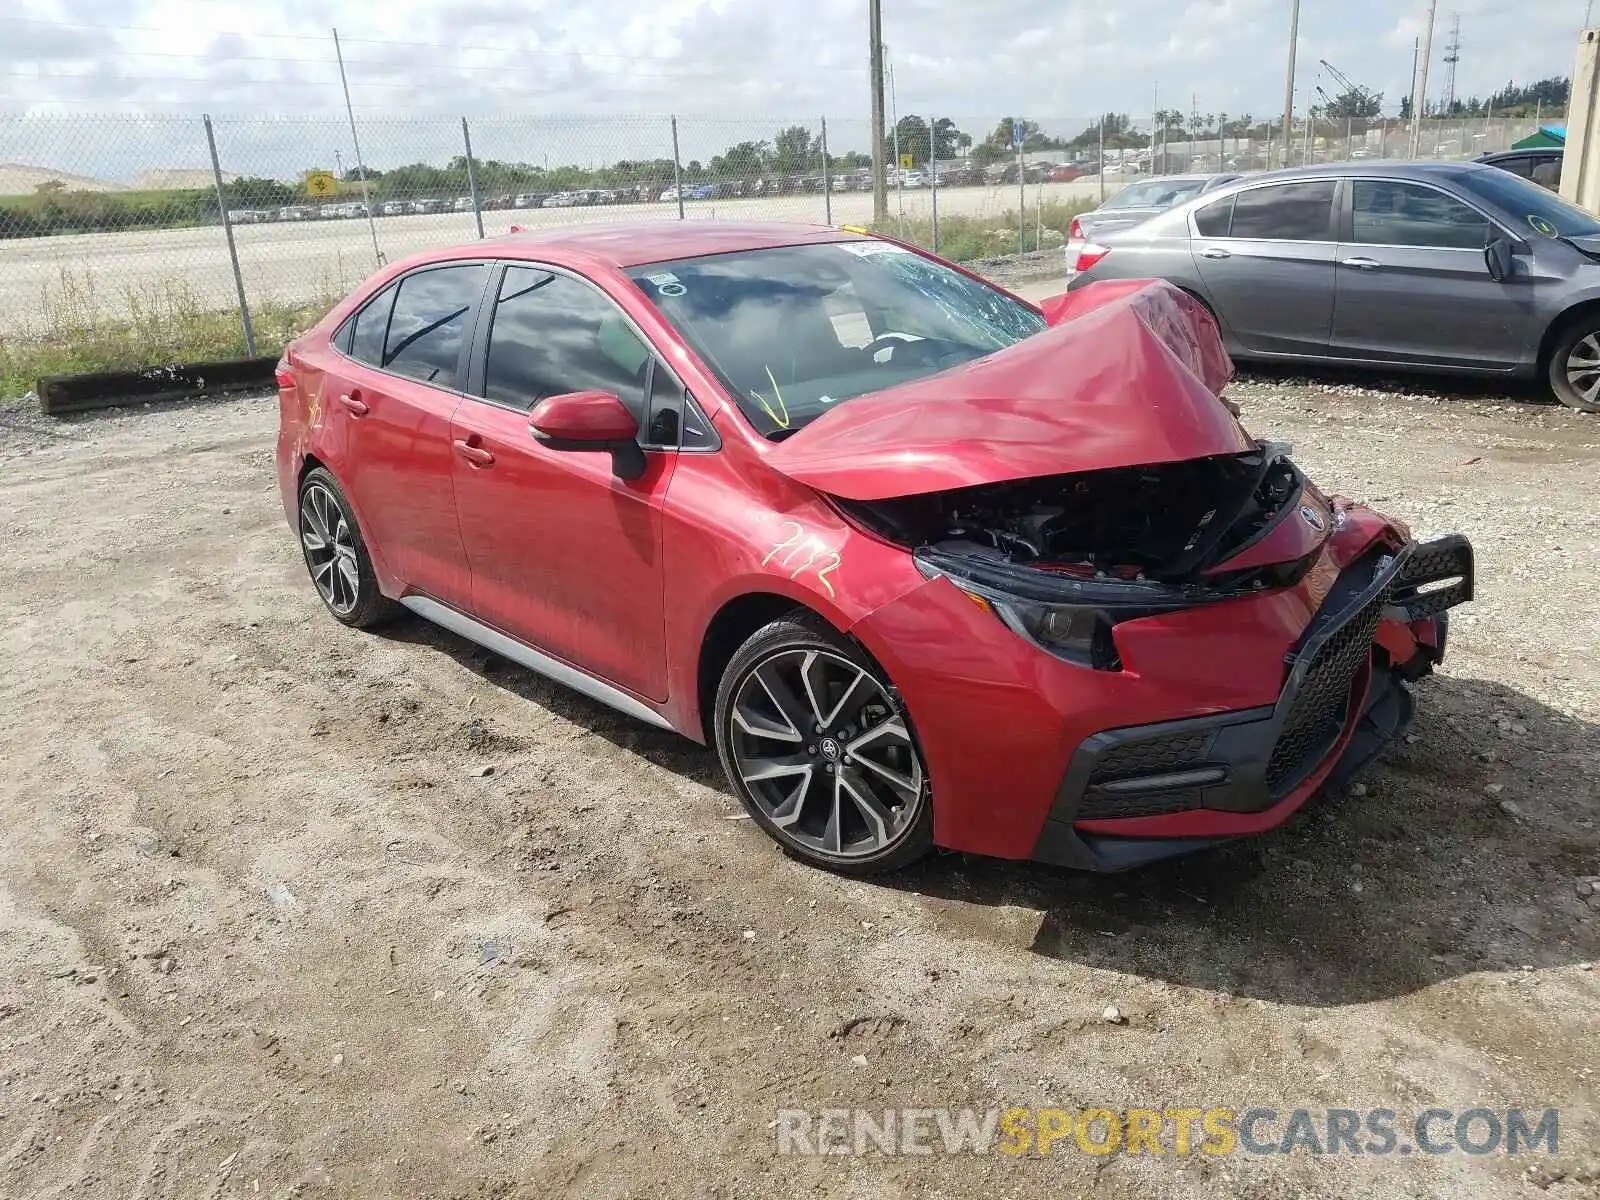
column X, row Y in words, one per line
column 476, row 455
column 354, row 404
column 1360, row 263
column 1215, row 252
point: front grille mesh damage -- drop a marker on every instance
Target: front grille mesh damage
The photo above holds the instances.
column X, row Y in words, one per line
column 1322, row 706
column 1316, row 715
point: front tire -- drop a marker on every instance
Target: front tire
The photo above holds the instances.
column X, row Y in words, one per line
column 336, row 555
column 1575, row 365
column 818, row 747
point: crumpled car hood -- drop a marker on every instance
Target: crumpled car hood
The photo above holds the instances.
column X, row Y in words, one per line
column 1129, row 373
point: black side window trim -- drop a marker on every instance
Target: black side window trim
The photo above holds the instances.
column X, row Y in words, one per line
column 454, row 384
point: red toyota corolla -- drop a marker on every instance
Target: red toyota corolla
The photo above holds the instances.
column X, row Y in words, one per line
column 926, row 564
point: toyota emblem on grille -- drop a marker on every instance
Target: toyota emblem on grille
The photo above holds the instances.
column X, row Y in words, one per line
column 1312, row 518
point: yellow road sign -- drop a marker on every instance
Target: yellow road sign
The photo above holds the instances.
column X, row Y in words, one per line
column 906, row 161
column 321, row 183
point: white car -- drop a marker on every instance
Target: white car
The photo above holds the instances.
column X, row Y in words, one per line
column 463, row 204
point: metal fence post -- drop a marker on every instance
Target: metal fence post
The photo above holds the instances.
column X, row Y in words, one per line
column 933, row 178
column 677, row 167
column 472, row 178
column 827, row 178
column 233, row 250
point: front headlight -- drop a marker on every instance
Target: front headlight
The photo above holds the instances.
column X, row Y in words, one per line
column 1077, row 633
column 1072, row 632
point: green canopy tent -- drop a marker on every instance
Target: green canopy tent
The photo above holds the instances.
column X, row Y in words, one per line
column 1547, row 136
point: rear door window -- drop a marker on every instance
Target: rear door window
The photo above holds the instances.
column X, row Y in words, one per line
column 430, row 323
column 1285, row 212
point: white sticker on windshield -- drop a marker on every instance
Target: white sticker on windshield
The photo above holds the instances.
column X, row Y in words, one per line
column 870, row 247
column 662, row 277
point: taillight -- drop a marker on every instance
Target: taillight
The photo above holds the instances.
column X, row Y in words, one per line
column 1075, row 231
column 284, row 374
column 1090, row 254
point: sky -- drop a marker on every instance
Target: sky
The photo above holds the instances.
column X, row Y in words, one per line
column 728, row 65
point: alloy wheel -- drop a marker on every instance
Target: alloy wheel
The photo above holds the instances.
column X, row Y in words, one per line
column 825, row 754
column 330, row 549
column 1583, row 367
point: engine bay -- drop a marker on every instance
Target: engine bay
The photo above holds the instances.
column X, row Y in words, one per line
column 1166, row 522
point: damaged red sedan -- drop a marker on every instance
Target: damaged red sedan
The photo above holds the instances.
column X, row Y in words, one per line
column 928, row 565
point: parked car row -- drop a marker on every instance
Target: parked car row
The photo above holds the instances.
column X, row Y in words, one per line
column 859, row 180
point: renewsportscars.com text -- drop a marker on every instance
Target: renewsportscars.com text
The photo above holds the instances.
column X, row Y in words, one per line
column 1037, row 1132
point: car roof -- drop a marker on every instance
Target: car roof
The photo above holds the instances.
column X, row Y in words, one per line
column 1399, row 168
column 635, row 243
column 1495, row 156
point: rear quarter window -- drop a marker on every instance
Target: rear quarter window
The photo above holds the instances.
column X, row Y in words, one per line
column 1214, row 219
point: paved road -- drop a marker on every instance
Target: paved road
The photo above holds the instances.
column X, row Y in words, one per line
column 324, row 259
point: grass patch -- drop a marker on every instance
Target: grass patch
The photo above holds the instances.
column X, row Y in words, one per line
column 966, row 238
column 156, row 324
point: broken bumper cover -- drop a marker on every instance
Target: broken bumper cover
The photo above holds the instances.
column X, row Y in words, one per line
column 1138, row 794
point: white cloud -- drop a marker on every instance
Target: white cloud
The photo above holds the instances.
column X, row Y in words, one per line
column 731, row 60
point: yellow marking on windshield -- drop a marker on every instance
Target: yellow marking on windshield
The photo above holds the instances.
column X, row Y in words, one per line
column 781, row 417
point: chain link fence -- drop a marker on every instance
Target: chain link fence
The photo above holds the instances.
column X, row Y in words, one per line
column 153, row 237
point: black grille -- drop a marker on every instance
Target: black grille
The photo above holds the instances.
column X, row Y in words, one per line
column 1174, row 752
column 1319, row 710
column 1106, row 806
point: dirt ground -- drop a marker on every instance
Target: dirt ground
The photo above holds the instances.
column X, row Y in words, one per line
column 268, row 928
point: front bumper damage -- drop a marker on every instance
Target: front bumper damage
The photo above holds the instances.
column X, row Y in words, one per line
column 1136, row 794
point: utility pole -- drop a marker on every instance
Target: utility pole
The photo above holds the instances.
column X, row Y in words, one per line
column 1155, row 122
column 880, row 191
column 1416, row 56
column 1288, row 83
column 355, row 141
column 1419, row 98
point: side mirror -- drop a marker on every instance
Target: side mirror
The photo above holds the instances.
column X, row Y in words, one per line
column 594, row 420
column 1497, row 256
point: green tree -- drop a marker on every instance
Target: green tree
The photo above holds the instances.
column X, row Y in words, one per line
column 795, row 151
column 1357, row 103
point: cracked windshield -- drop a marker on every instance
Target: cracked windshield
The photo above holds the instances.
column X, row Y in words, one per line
column 796, row 330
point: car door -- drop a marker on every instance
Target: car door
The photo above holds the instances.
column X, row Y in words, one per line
column 565, row 555
column 1411, row 283
column 391, row 396
column 1265, row 255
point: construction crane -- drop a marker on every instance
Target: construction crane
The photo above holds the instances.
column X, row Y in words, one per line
column 1350, row 86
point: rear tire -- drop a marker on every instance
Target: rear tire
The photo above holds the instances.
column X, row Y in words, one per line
column 336, row 555
column 1574, row 370
column 820, row 751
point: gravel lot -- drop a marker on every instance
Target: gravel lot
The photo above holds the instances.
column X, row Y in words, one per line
column 267, row 927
